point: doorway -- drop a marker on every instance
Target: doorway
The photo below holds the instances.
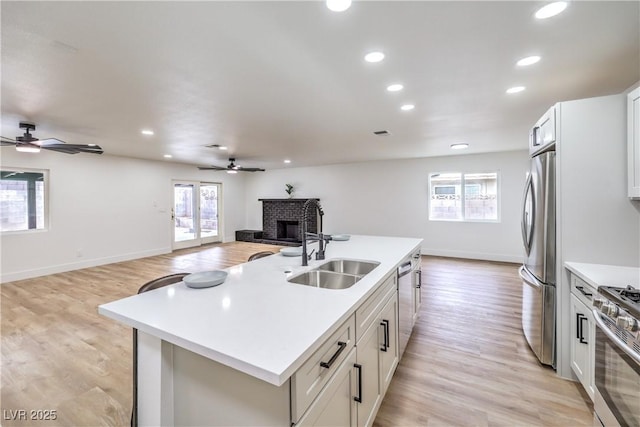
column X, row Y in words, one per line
column 195, row 214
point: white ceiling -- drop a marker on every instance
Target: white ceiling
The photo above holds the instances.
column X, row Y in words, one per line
column 276, row 80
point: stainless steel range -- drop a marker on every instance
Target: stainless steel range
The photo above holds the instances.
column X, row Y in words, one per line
column 617, row 357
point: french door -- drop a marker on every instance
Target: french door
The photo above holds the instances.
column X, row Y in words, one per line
column 195, row 213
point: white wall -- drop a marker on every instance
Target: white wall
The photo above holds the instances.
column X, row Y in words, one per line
column 390, row 198
column 107, row 209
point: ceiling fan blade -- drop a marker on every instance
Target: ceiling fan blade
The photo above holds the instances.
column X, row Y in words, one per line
column 7, row 142
column 49, row 141
column 250, row 169
column 215, row 168
column 74, row 148
column 4, row 138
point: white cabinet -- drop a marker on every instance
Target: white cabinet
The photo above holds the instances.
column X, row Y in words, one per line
column 633, row 143
column 319, row 369
column 389, row 355
column 353, row 394
column 335, row 405
column 582, row 348
column 377, row 358
column 369, row 393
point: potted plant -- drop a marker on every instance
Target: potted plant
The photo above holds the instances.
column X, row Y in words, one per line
column 289, row 190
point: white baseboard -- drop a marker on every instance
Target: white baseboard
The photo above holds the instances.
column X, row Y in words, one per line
column 61, row 268
column 473, row 255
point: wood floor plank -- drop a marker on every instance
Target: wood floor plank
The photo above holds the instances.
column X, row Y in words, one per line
column 466, row 364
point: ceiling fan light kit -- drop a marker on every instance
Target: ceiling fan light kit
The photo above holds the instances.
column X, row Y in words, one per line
column 27, row 143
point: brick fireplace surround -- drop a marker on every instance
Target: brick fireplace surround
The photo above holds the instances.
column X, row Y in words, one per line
column 289, row 212
column 281, row 223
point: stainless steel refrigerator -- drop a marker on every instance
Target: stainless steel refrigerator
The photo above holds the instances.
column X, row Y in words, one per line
column 538, row 271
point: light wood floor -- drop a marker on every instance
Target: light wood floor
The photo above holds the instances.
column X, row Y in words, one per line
column 466, row 364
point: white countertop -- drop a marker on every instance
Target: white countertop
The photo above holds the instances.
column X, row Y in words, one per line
column 256, row 321
column 605, row 275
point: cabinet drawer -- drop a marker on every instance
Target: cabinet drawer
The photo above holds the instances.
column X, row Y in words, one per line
column 309, row 380
column 368, row 312
column 582, row 290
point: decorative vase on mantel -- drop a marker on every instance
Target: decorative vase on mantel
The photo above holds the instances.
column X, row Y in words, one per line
column 289, row 189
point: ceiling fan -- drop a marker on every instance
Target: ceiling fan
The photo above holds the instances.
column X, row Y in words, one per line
column 231, row 168
column 27, row 143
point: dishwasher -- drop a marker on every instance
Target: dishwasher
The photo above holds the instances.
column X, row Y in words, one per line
column 405, row 303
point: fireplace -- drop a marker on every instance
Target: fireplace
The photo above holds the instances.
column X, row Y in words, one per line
column 287, row 230
column 282, row 221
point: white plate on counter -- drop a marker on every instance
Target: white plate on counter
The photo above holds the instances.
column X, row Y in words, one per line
column 205, row 279
column 340, row 237
column 297, row 251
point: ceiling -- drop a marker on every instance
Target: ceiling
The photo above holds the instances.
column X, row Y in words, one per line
column 287, row 80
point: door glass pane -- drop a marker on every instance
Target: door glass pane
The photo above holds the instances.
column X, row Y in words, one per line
column 183, row 209
column 208, row 210
column 481, row 196
column 445, row 196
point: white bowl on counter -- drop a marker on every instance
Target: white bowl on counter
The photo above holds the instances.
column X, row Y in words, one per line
column 205, row 279
column 293, row 251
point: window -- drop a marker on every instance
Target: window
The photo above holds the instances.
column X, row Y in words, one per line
column 22, row 200
column 463, row 196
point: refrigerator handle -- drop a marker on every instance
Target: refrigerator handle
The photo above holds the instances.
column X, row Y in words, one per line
column 526, row 221
column 528, row 278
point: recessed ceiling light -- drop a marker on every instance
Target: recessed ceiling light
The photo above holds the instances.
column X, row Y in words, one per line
column 338, row 5
column 407, row 107
column 223, row 147
column 146, row 132
column 552, row 9
column 460, row 146
column 395, row 87
column 374, row 57
column 516, row 89
column 529, row 60
column 287, row 161
column 168, row 156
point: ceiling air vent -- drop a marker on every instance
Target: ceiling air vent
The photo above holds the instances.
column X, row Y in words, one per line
column 382, row 132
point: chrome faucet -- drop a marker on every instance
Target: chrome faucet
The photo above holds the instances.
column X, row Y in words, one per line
column 322, row 239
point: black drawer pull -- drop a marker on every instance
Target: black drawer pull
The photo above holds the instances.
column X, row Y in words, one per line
column 578, row 326
column 585, row 293
column 358, row 398
column 385, row 346
column 582, row 340
column 328, row 364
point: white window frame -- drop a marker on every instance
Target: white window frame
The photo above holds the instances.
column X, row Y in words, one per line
column 462, row 197
column 46, row 174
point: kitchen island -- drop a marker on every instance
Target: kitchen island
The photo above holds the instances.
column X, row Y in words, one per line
column 233, row 354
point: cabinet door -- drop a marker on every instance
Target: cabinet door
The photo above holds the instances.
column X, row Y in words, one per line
column 633, row 143
column 368, row 367
column 389, row 344
column 335, row 405
column 581, row 343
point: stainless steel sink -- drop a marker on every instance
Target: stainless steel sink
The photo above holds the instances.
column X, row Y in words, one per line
column 325, row 279
column 335, row 274
column 348, row 266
